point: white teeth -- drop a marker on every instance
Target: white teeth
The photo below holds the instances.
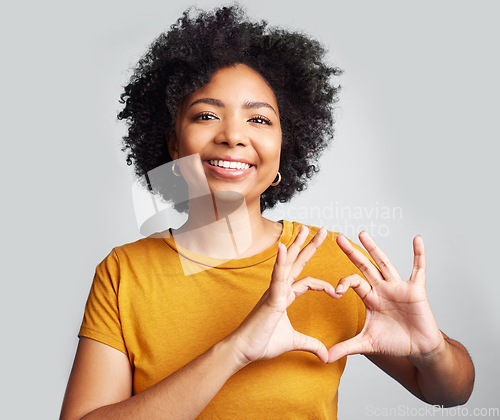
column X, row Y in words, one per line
column 229, row 164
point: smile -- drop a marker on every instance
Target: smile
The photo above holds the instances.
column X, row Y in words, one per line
column 226, row 164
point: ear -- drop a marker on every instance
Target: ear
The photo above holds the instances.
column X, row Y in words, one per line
column 172, row 145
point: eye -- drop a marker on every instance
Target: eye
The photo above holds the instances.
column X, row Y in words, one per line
column 260, row 119
column 205, row 116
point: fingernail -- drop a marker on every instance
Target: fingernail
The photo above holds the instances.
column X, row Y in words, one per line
column 340, row 288
column 342, row 237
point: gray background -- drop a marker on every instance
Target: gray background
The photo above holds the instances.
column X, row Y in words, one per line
column 417, row 131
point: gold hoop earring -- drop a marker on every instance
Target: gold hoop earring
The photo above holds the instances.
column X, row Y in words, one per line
column 174, row 167
column 276, row 182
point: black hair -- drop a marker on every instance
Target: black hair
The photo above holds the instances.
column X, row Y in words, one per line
column 184, row 59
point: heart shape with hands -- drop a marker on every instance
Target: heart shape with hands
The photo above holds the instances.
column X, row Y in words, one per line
column 267, row 332
column 399, row 321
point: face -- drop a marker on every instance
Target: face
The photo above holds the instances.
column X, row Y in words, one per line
column 233, row 124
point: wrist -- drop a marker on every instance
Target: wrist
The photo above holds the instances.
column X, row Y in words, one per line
column 228, row 349
column 435, row 356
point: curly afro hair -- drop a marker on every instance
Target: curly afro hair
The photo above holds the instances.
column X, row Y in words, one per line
column 184, row 59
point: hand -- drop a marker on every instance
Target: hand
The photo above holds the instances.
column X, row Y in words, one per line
column 399, row 321
column 266, row 332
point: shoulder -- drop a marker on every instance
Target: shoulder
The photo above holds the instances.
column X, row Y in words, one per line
column 138, row 253
column 152, row 244
column 329, row 251
column 329, row 242
column 136, row 262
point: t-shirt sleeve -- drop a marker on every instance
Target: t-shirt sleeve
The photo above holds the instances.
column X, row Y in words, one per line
column 101, row 320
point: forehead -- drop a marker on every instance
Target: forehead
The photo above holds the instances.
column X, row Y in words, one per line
column 234, row 85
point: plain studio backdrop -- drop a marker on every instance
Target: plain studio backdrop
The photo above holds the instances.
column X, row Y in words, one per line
column 416, row 152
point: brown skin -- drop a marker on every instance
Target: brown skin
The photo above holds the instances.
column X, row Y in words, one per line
column 400, row 334
column 432, row 366
column 242, row 122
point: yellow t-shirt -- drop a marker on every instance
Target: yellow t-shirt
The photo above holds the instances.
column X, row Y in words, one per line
column 142, row 304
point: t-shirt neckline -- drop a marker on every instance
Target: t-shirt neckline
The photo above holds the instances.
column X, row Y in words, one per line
column 286, row 236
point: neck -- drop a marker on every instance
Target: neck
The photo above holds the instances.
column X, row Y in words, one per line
column 223, row 225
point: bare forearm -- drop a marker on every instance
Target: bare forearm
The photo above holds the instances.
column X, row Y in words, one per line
column 182, row 395
column 447, row 377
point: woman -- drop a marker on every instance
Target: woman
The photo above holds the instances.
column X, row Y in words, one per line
column 201, row 321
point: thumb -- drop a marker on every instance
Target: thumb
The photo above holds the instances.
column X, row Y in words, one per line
column 310, row 344
column 354, row 345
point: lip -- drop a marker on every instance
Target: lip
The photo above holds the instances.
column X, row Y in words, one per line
column 228, row 173
column 230, row 159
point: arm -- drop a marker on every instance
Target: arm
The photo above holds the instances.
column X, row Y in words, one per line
column 400, row 333
column 444, row 378
column 100, row 384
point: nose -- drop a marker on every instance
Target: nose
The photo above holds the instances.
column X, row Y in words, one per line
column 232, row 133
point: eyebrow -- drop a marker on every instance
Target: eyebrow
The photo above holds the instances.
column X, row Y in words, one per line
column 254, row 105
column 209, row 101
column 246, row 105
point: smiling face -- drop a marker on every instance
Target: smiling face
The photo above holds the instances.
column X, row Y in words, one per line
column 233, row 123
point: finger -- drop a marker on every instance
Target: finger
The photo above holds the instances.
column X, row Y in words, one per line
column 310, row 344
column 363, row 289
column 280, row 264
column 384, row 264
column 354, row 345
column 364, row 264
column 306, row 254
column 279, row 272
column 419, row 263
column 310, row 283
column 294, row 248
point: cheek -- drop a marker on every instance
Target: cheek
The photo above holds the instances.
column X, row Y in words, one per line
column 190, row 140
column 272, row 149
